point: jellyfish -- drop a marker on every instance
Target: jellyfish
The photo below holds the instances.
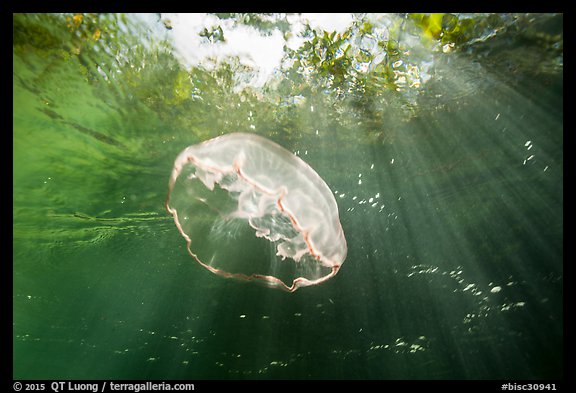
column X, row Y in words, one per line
column 251, row 210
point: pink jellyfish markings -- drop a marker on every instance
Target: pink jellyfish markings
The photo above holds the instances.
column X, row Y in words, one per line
column 253, row 211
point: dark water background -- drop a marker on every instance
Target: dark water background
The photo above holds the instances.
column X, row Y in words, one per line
column 452, row 211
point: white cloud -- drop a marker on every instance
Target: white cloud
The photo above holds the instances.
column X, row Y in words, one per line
column 262, row 53
column 329, row 21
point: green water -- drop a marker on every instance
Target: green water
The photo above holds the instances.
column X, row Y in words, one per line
column 450, row 195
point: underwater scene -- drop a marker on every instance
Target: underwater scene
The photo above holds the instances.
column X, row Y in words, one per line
column 288, row 196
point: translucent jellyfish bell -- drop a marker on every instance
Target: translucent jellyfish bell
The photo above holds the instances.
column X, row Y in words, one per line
column 251, row 210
